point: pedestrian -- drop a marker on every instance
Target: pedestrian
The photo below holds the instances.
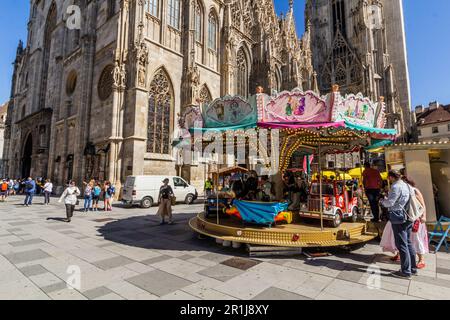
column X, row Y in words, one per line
column 419, row 230
column 48, row 189
column 397, row 203
column 165, row 202
column 3, row 190
column 70, row 198
column 96, row 196
column 30, row 191
column 107, row 196
column 10, row 187
column 373, row 183
column 208, row 187
column 88, row 194
column 112, row 194
column 16, row 187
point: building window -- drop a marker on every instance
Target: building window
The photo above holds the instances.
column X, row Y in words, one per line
column 50, row 26
column 111, row 8
column 71, row 83
column 160, row 114
column 105, row 83
column 339, row 18
column 419, row 132
column 152, row 7
column 174, row 13
column 205, row 95
column 242, row 74
column 212, row 32
column 435, row 130
column 198, row 20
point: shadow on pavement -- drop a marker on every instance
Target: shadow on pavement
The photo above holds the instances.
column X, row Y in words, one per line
column 145, row 232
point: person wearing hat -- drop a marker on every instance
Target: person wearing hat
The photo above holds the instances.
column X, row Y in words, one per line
column 397, row 202
column 165, row 202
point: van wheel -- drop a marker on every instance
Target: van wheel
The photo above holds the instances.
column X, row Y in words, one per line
column 189, row 199
column 147, row 203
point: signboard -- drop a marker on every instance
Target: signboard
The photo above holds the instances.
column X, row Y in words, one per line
column 356, row 110
column 229, row 112
column 395, row 156
column 295, row 107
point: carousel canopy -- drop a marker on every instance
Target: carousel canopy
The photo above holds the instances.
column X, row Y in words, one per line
column 291, row 110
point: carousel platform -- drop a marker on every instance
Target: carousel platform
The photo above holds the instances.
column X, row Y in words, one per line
column 300, row 234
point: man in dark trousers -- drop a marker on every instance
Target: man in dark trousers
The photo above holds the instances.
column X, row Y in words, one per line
column 397, row 202
column 372, row 185
column 30, row 191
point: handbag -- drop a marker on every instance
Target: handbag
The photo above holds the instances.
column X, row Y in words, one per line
column 416, row 226
column 173, row 200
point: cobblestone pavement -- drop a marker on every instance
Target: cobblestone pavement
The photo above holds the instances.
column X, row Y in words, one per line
column 127, row 255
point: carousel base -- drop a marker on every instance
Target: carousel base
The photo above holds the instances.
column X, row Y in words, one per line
column 298, row 234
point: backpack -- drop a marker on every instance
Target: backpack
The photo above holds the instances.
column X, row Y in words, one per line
column 97, row 191
column 4, row 186
column 165, row 192
column 87, row 191
column 416, row 209
column 111, row 190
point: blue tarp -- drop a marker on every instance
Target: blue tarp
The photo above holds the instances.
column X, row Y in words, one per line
column 260, row 212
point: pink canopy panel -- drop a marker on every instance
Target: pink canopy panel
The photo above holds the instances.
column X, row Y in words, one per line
column 293, row 107
column 301, row 125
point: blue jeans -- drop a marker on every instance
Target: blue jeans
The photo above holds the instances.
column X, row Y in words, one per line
column 373, row 195
column 28, row 199
column 87, row 203
column 402, row 235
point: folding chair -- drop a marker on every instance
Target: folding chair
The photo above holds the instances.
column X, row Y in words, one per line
column 440, row 233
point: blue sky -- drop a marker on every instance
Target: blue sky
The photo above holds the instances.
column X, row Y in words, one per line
column 427, row 28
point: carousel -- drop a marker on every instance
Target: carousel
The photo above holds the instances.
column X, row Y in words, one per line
column 260, row 206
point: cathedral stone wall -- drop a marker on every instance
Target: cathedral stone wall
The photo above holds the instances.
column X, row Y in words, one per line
column 359, row 56
column 103, row 101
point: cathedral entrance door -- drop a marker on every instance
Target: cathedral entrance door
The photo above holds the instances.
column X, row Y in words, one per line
column 27, row 157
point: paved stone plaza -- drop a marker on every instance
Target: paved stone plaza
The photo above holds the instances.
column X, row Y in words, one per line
column 127, row 255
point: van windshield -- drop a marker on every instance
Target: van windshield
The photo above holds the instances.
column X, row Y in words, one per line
column 130, row 182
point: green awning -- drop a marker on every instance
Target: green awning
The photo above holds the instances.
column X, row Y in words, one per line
column 387, row 132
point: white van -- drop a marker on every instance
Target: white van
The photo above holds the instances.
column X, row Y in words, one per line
column 144, row 190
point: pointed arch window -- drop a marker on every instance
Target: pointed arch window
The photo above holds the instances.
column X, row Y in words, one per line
column 152, row 7
column 50, row 26
column 174, row 13
column 205, row 95
column 198, row 21
column 212, row 32
column 160, row 114
column 242, row 75
column 339, row 18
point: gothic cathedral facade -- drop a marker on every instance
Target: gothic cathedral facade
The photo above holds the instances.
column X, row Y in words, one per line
column 102, row 101
column 361, row 46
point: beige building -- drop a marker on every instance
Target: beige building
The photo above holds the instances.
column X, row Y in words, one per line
column 433, row 123
column 361, row 45
column 104, row 101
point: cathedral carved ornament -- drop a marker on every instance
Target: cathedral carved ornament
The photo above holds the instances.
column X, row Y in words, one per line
column 141, row 53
